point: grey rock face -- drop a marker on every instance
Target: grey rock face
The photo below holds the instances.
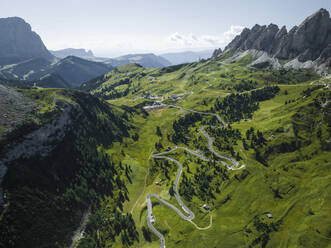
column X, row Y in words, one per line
column 265, row 38
column 309, row 41
column 279, row 41
column 259, row 38
column 18, row 42
column 217, row 53
column 312, row 36
column 325, row 56
column 238, row 41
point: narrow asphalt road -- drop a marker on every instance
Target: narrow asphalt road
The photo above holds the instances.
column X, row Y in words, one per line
column 189, row 216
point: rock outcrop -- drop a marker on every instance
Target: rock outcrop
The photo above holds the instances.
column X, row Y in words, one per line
column 311, row 40
column 18, row 42
column 217, row 52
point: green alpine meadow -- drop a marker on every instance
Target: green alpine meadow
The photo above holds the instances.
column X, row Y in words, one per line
column 200, row 140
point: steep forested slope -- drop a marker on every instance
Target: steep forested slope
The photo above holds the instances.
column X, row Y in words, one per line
column 57, row 167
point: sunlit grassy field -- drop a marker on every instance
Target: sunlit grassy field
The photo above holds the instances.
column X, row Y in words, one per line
column 300, row 218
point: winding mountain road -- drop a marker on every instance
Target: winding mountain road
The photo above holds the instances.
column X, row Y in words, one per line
column 189, row 215
column 199, row 112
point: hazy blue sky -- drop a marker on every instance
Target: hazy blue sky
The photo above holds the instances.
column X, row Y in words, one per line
column 113, row 27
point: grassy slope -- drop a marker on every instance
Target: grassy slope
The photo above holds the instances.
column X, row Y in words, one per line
column 233, row 221
column 215, row 75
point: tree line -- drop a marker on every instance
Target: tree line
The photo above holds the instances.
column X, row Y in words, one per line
column 236, row 107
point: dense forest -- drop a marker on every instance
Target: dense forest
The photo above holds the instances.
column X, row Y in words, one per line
column 49, row 194
column 236, row 107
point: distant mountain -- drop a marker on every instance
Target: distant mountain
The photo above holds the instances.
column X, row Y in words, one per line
column 310, row 41
column 18, row 42
column 51, row 80
column 26, row 70
column 23, row 56
column 147, row 60
column 120, row 76
column 81, row 52
column 186, row 57
column 72, row 70
column 77, row 70
column 15, row 83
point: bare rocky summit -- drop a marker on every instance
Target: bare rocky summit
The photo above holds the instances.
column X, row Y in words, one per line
column 311, row 40
column 18, row 42
column 217, row 52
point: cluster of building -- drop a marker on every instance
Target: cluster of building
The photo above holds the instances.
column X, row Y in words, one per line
column 153, row 97
column 159, row 104
column 155, row 105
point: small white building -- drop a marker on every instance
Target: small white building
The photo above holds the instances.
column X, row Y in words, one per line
column 205, row 206
column 155, row 105
column 269, row 215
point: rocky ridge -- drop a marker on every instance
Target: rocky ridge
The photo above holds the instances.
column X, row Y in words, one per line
column 80, row 52
column 217, row 52
column 310, row 41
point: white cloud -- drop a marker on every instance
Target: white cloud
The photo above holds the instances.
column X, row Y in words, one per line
column 192, row 41
column 113, row 45
column 234, row 31
column 183, row 40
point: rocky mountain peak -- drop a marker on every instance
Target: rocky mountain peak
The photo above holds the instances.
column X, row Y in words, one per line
column 320, row 14
column 18, row 42
column 282, row 32
column 256, row 28
column 20, row 22
column 308, row 41
column 272, row 28
column 217, row 52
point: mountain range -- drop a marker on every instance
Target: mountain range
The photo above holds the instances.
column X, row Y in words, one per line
column 177, row 58
column 23, row 56
column 310, row 41
column 72, row 69
column 78, row 52
column 147, row 60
